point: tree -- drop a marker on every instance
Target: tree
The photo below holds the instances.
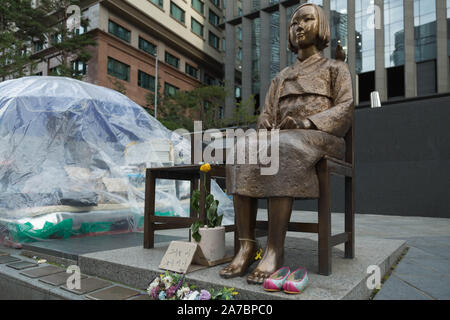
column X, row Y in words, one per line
column 23, row 26
column 118, row 86
column 179, row 110
column 71, row 44
column 20, row 26
column 242, row 113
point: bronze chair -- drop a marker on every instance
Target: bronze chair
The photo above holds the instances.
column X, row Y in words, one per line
column 197, row 178
column 325, row 168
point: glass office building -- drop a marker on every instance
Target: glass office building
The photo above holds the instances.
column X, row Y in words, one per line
column 399, row 48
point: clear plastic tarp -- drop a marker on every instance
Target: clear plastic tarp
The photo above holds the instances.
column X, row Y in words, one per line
column 73, row 158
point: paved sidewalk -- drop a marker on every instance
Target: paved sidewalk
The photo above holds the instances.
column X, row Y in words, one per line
column 424, row 272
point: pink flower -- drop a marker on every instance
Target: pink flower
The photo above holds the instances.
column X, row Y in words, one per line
column 155, row 293
column 205, row 295
column 171, row 292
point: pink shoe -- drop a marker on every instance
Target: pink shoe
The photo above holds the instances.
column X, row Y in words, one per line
column 296, row 282
column 277, row 279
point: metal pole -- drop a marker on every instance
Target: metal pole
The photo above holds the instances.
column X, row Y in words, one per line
column 156, row 83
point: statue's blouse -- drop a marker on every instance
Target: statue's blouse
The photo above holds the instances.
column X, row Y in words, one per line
column 317, row 89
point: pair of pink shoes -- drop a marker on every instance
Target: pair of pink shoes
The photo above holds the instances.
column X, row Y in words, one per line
column 290, row 282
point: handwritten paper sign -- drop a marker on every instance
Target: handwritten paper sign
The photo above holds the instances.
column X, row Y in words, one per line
column 180, row 255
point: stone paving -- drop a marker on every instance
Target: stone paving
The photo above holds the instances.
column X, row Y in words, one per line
column 422, row 274
column 23, row 278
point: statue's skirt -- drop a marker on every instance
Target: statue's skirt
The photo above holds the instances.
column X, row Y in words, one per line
column 298, row 153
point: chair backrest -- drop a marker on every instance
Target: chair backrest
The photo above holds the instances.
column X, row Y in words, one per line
column 224, row 150
column 349, row 143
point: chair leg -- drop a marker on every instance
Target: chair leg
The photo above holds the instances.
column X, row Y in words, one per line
column 194, row 186
column 349, row 218
column 324, row 205
column 149, row 211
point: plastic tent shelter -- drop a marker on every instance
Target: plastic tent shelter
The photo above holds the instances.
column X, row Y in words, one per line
column 73, row 158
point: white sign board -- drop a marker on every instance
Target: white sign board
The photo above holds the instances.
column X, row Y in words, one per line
column 180, row 255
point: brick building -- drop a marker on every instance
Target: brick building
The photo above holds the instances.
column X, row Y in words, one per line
column 183, row 34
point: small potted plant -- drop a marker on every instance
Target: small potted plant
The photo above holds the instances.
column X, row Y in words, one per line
column 210, row 237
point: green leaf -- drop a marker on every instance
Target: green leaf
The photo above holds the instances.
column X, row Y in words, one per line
column 211, row 216
column 194, row 228
column 209, row 200
column 219, row 220
column 197, row 237
column 195, row 200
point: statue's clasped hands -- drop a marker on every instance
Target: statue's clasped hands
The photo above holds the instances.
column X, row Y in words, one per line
column 287, row 123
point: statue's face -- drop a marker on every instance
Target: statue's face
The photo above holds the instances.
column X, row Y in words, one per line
column 304, row 27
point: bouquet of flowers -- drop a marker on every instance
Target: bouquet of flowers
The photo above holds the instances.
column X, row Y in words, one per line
column 173, row 286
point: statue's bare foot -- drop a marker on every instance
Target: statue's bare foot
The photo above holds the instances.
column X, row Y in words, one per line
column 270, row 263
column 241, row 262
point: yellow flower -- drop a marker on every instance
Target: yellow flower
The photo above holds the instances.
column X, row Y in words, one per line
column 205, row 168
column 235, row 293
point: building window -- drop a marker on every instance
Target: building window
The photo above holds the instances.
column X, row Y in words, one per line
column 216, row 3
column 425, row 30
column 318, row 2
column 190, row 70
column 210, row 81
column 170, row 90
column 147, row 46
column 54, row 71
column 159, row 3
column 213, row 40
column 274, row 44
column 172, row 60
column 196, row 27
column 394, row 34
column 395, row 81
column 338, row 24
column 239, row 54
column 81, row 30
column 38, row 46
column 55, row 38
column 237, row 92
column 365, row 38
column 176, row 12
column 146, row 81
column 119, row 31
column 366, row 82
column 79, row 67
column 291, row 57
column 198, row 6
column 239, row 33
column 426, row 78
column 448, row 26
column 118, row 69
column 214, row 18
column 256, row 49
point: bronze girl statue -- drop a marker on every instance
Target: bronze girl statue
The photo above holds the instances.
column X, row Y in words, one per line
column 311, row 102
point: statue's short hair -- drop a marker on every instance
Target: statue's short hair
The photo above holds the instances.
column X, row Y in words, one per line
column 323, row 37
